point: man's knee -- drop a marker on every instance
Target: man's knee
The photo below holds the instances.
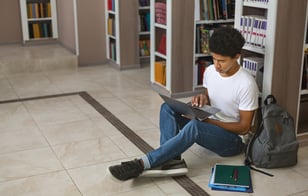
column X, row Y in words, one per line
column 194, row 123
column 165, row 108
column 193, row 127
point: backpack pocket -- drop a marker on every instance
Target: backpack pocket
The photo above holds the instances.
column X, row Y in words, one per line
column 283, row 156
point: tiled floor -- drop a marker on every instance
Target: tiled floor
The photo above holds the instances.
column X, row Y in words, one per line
column 33, row 58
column 63, row 146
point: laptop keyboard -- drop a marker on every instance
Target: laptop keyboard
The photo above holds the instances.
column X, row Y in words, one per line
column 200, row 113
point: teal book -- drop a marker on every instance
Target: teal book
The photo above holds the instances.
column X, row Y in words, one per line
column 234, row 178
column 232, row 175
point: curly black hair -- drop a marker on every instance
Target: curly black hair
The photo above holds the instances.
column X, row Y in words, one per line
column 226, row 41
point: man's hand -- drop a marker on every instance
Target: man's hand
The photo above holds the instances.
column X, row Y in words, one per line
column 199, row 100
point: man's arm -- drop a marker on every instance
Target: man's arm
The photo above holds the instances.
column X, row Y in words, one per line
column 242, row 127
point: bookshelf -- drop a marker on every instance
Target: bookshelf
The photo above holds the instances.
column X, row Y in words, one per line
column 144, row 31
column 171, row 46
column 281, row 49
column 122, row 40
column 208, row 15
column 38, row 19
column 255, row 20
column 112, row 26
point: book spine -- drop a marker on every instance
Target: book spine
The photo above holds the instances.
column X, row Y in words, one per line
column 160, row 72
column 162, row 44
column 160, row 13
column 48, row 9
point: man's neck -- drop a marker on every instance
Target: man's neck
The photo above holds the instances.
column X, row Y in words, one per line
column 231, row 71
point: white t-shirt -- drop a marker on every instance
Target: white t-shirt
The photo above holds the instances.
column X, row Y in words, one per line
column 231, row 94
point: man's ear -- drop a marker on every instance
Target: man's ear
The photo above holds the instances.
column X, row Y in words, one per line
column 237, row 56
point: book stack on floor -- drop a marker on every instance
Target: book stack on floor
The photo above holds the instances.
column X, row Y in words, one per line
column 231, row 178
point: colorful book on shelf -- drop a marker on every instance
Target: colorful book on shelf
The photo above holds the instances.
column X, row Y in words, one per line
column 231, row 178
column 160, row 12
column 34, row 10
column 144, row 22
column 112, row 51
column 31, row 33
column 255, row 66
column 160, row 72
column 48, row 9
column 162, row 45
column 214, row 9
column 45, row 10
column 144, row 3
column 202, row 64
column 45, row 30
column 144, row 47
column 110, row 26
column 197, row 46
column 36, row 30
column 148, row 21
column 230, row 8
column 111, row 5
column 29, row 10
column 201, row 70
column 202, row 10
column 224, row 10
column 41, row 10
column 253, row 29
column 204, row 40
column 216, row 5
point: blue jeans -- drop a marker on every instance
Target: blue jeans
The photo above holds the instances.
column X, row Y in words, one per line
column 179, row 133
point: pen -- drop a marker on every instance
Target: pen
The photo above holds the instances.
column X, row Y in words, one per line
column 235, row 174
column 232, row 175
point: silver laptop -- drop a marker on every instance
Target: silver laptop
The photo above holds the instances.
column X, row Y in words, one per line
column 188, row 110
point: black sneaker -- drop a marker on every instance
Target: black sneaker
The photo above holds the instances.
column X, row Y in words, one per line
column 126, row 170
column 170, row 168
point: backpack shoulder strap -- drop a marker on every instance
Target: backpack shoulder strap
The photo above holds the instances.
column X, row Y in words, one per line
column 248, row 159
column 257, row 132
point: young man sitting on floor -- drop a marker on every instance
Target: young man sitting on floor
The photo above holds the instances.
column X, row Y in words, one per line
column 227, row 87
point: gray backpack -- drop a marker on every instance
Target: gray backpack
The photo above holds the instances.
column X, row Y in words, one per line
column 274, row 143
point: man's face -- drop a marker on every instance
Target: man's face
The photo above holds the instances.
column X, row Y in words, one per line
column 225, row 65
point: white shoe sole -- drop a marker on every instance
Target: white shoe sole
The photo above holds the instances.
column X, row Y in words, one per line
column 163, row 173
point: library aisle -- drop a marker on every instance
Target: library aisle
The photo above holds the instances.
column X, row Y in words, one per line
column 15, row 58
column 57, row 137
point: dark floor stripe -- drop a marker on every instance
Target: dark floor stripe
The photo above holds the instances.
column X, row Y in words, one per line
column 39, row 97
column 125, row 130
column 190, row 186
